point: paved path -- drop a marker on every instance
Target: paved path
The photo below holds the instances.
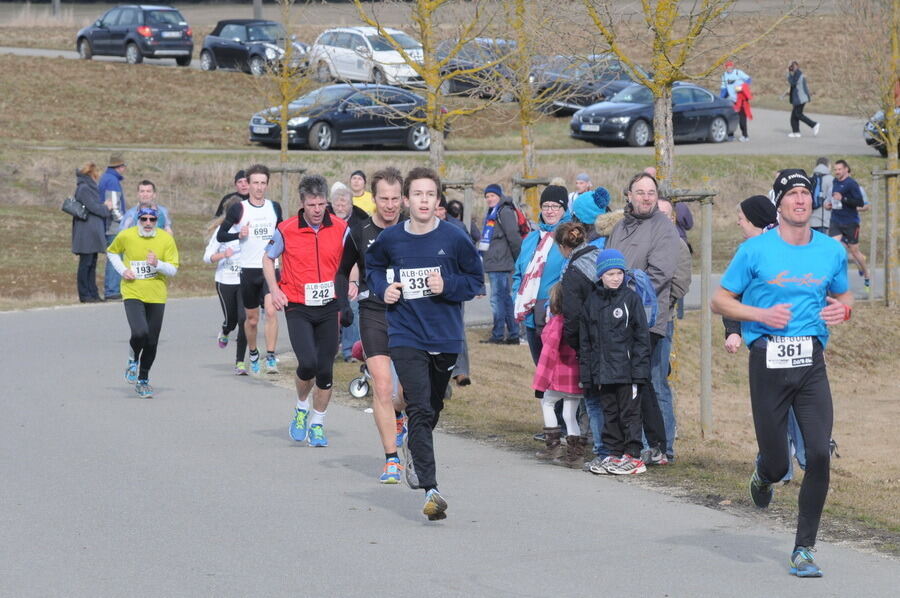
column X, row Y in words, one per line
column 199, row 492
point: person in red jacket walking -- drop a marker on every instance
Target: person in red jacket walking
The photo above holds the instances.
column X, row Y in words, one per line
column 742, row 107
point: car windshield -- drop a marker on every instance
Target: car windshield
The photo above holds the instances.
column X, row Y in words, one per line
column 380, row 44
column 164, row 17
column 324, row 96
column 265, row 32
column 635, row 94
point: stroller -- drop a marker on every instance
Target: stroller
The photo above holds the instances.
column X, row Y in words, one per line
column 359, row 387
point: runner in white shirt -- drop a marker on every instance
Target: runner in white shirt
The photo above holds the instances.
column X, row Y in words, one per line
column 226, row 257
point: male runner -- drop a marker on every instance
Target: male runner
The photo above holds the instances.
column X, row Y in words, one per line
column 310, row 246
column 845, row 201
column 793, row 285
column 150, row 258
column 387, row 187
column 253, row 222
column 424, row 269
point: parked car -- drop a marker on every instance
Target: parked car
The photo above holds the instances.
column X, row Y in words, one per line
column 361, row 54
column 135, row 31
column 345, row 115
column 875, row 133
column 250, row 45
column 488, row 81
column 570, row 83
column 697, row 115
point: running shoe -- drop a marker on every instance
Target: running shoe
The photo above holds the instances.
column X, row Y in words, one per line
column 254, row 365
column 131, row 371
column 601, row 465
column 435, row 506
column 144, row 390
column 391, row 473
column 401, row 430
column 317, row 435
column 409, row 468
column 654, row 456
column 627, row 465
column 299, row 425
column 240, row 369
column 222, row 340
column 760, row 492
column 271, row 364
column 803, row 564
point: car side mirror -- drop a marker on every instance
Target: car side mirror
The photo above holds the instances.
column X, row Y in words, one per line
column 238, row 40
column 98, row 23
column 362, row 50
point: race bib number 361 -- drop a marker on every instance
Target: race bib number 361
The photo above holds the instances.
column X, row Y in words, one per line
column 415, row 282
column 789, row 352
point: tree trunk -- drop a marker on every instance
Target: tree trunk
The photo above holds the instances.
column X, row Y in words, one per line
column 529, row 168
column 257, row 9
column 283, row 121
column 436, row 151
column 663, row 137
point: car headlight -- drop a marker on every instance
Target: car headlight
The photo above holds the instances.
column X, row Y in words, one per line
column 271, row 54
column 577, row 114
column 531, row 79
column 620, row 120
column 297, row 121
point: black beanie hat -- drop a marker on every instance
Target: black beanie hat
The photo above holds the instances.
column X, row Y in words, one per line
column 557, row 194
column 787, row 179
column 760, row 211
column 240, row 174
column 358, row 172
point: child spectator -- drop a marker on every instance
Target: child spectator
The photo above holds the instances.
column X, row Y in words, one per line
column 557, row 376
column 742, row 107
column 614, row 355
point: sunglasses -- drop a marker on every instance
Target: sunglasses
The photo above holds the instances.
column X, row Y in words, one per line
column 148, row 219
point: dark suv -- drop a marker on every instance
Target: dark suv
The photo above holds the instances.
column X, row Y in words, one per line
column 136, row 31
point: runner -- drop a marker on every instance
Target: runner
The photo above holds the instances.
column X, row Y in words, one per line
column 226, row 257
column 387, row 186
column 424, row 269
column 150, row 259
column 253, row 222
column 793, row 286
column 310, row 245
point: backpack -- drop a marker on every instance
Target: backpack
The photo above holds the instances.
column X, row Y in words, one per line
column 639, row 282
column 818, row 194
column 521, row 222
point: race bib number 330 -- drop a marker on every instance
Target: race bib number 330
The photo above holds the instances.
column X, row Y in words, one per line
column 415, row 282
column 789, row 352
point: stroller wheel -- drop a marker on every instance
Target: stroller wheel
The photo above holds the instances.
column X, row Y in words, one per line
column 359, row 387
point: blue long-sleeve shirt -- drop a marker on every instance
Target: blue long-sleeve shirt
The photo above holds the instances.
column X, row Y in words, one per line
column 430, row 323
column 111, row 180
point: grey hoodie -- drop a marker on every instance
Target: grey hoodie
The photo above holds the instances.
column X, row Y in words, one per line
column 821, row 218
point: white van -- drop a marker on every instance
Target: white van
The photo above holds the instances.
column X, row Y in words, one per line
column 361, row 54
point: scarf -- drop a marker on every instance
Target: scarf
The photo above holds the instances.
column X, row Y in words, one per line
column 487, row 230
column 531, row 280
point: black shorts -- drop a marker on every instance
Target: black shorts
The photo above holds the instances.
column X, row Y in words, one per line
column 373, row 330
column 254, row 288
column 849, row 232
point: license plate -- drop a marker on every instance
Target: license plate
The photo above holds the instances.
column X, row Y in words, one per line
column 261, row 130
column 171, row 34
column 590, row 128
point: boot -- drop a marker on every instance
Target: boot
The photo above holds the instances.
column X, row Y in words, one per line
column 553, row 448
column 574, row 457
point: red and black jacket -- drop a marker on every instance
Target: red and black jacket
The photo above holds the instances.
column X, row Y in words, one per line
column 310, row 256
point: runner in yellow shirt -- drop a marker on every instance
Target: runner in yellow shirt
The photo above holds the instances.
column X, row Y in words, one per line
column 146, row 257
column 361, row 197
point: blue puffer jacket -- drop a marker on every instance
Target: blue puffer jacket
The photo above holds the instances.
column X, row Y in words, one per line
column 552, row 268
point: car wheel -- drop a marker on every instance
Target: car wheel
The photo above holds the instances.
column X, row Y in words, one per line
column 323, row 74
column 321, row 137
column 359, row 387
column 257, row 66
column 639, row 134
column 378, row 77
column 207, row 62
column 183, row 60
column 133, row 54
column 418, row 138
column 85, row 51
column 718, row 130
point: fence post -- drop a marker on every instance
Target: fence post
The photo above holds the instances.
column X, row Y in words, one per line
column 890, row 243
column 873, row 240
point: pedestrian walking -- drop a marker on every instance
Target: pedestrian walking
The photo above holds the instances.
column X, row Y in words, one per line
column 799, row 97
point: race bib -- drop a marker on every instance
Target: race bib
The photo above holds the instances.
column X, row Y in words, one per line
column 415, row 282
column 232, row 266
column 318, row 293
column 789, row 352
column 143, row 270
column 261, row 229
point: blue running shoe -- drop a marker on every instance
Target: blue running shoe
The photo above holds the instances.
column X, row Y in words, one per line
column 401, row 430
column 254, row 365
column 131, row 371
column 317, row 435
column 392, row 469
column 271, row 364
column 299, row 425
column 760, row 492
column 435, row 506
column 144, row 390
column 803, row 564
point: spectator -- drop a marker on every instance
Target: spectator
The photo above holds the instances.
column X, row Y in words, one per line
column 800, row 96
column 89, row 236
column 240, row 193
column 110, row 190
column 499, row 246
column 742, row 107
column 823, row 180
column 343, row 207
column 730, row 79
column 587, row 206
column 362, row 197
column 583, row 184
column 147, row 199
column 684, row 221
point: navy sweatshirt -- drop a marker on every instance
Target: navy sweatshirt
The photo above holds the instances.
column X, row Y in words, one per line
column 429, row 323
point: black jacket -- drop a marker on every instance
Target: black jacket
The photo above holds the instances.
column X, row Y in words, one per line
column 614, row 338
column 577, row 283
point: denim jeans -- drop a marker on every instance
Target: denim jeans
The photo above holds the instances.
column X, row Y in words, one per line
column 595, row 415
column 502, row 306
column 659, row 373
column 350, row 334
column 111, row 279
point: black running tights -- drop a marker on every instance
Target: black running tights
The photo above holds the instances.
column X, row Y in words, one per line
column 314, row 334
column 145, row 321
column 233, row 308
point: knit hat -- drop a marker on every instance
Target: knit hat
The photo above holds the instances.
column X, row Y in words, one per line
column 787, row 179
column 556, row 194
column 583, row 177
column 729, row 64
column 339, row 187
column 759, row 211
column 116, row 160
column 358, row 172
column 494, row 188
column 610, row 259
column 240, row 174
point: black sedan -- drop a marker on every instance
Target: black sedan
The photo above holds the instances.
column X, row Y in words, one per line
column 466, row 71
column 136, row 31
column 348, row 115
column 627, row 117
column 565, row 84
column 250, row 45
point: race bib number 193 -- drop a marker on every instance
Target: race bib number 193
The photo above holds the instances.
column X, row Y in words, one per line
column 789, row 352
column 142, row 270
column 415, row 282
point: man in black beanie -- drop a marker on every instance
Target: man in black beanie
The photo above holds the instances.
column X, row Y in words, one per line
column 240, row 193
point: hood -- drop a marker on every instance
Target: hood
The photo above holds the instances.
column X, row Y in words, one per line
column 615, row 108
column 84, row 179
column 821, row 169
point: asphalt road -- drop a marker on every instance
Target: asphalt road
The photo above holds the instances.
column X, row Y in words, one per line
column 199, row 492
